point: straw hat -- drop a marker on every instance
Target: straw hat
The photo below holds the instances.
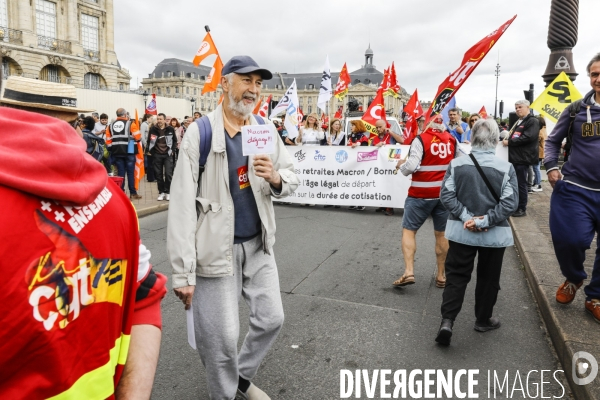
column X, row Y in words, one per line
column 35, row 93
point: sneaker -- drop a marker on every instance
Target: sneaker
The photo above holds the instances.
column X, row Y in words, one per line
column 537, row 188
column 520, row 213
column 167, row 197
column 593, row 307
column 490, row 324
column 566, row 292
column 253, row 393
column 379, row 209
column 389, row 211
column 161, row 197
column 352, row 208
column 360, row 208
column 135, row 197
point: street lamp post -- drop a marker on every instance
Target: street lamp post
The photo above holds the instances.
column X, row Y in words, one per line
column 496, row 101
column 193, row 101
column 145, row 95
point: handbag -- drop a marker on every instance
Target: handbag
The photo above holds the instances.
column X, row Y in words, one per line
column 485, row 179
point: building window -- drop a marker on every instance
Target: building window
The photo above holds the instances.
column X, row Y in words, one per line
column 176, row 89
column 310, row 100
column 187, row 90
column 309, row 107
column 50, row 73
column 195, row 91
column 4, row 16
column 121, row 86
column 45, row 18
column 91, row 81
column 5, row 69
column 168, row 90
column 89, row 32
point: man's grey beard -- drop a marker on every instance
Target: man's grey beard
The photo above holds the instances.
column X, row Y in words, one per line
column 239, row 107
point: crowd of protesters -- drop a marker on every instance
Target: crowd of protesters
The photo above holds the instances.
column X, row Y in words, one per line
column 159, row 135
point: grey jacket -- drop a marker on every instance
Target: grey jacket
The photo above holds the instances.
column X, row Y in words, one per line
column 465, row 195
column 200, row 228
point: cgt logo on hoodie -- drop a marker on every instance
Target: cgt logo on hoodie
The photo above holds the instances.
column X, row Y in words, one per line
column 67, row 279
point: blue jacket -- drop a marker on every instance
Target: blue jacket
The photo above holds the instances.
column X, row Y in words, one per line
column 465, row 194
column 580, row 169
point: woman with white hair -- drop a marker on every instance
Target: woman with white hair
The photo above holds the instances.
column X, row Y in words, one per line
column 480, row 192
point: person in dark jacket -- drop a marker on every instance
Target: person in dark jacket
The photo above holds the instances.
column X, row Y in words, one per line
column 523, row 149
column 575, row 201
column 161, row 143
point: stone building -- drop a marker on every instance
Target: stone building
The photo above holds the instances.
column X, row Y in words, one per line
column 181, row 79
column 65, row 41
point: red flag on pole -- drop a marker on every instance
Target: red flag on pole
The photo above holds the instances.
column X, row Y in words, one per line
column 341, row 89
column 214, row 78
column 394, row 88
column 413, row 111
column 375, row 112
column 208, row 48
column 151, row 107
column 264, row 110
column 470, row 61
column 483, row 113
column 339, row 113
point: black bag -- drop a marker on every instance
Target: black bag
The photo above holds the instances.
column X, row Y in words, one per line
column 95, row 145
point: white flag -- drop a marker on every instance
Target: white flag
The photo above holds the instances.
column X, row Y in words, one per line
column 286, row 100
column 289, row 103
column 325, row 91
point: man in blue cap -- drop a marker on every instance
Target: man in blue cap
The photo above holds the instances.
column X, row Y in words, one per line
column 220, row 234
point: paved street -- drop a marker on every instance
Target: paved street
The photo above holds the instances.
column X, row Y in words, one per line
column 336, row 268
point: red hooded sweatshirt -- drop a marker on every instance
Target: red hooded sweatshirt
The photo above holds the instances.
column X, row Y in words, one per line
column 71, row 262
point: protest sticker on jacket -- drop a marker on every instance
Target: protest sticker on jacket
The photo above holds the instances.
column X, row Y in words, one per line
column 258, row 139
column 363, row 176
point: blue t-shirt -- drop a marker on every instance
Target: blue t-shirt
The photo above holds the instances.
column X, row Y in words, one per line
column 247, row 220
column 460, row 137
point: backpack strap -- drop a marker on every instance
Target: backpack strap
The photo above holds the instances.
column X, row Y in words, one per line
column 574, row 109
column 485, row 179
column 205, row 140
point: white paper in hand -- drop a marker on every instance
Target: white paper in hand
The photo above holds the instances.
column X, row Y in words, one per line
column 191, row 333
column 258, row 139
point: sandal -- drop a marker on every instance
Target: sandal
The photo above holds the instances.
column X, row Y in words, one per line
column 404, row 280
column 440, row 284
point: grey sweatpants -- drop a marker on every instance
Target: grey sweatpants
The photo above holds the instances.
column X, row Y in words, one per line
column 217, row 323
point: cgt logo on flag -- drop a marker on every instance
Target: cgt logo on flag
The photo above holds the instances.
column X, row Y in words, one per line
column 203, row 49
column 394, row 155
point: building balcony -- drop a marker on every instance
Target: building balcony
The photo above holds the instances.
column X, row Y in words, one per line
column 60, row 46
column 93, row 55
column 11, row 35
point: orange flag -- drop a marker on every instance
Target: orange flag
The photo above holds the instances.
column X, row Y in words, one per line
column 258, row 105
column 206, row 49
column 138, row 172
column 483, row 112
column 221, row 99
column 213, row 80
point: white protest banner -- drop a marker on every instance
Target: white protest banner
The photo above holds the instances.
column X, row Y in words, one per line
column 258, row 139
column 340, row 175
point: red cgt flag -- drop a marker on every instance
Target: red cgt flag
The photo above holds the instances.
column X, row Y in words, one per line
column 375, row 112
column 394, row 88
column 483, row 112
column 341, row 89
column 470, row 61
column 413, row 111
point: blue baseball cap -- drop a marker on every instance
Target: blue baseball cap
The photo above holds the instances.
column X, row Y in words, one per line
column 245, row 65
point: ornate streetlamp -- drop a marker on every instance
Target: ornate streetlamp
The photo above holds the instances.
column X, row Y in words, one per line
column 562, row 37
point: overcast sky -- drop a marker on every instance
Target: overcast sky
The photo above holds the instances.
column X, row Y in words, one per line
column 426, row 39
